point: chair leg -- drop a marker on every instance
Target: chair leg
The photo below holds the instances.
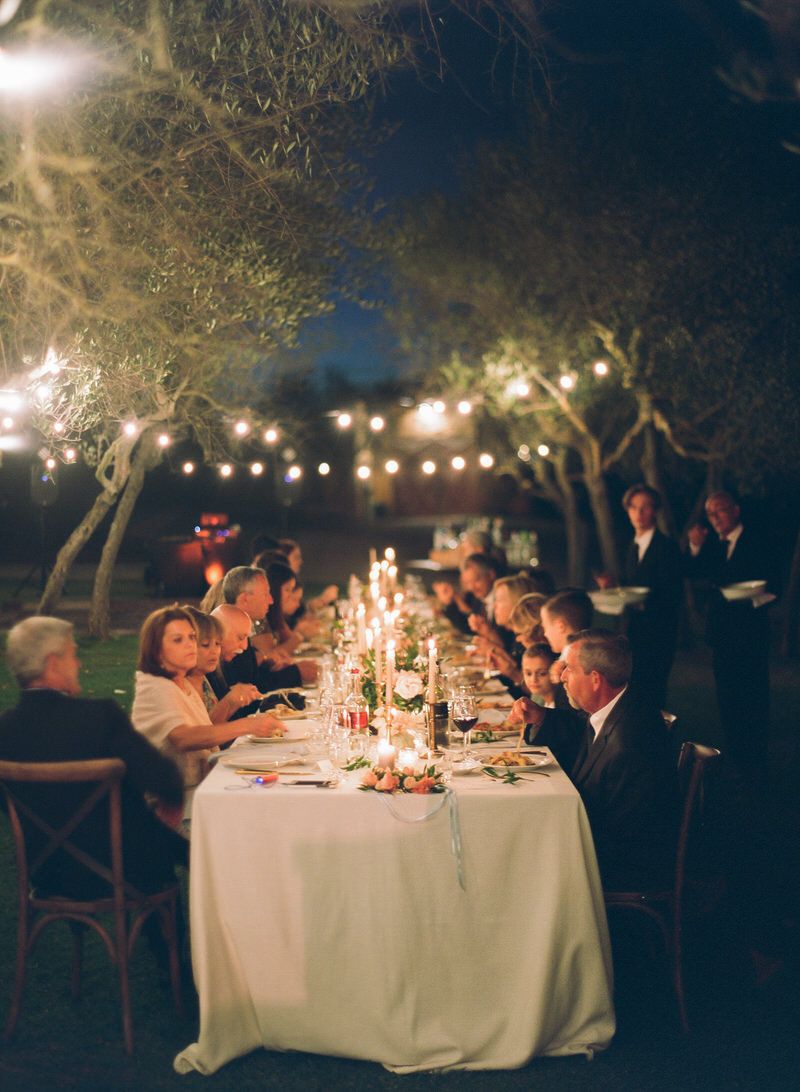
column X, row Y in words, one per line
column 77, row 931
column 677, row 974
column 120, row 919
column 19, row 974
column 171, row 936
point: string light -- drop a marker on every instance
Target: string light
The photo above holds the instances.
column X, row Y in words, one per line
column 50, row 463
column 293, row 473
column 241, row 428
column 256, row 469
column 458, row 462
column 600, row 368
column 58, row 427
column 439, row 406
column 464, row 407
column 164, row 440
column 8, row 422
column 324, row 469
column 524, row 453
column 391, row 466
column 425, row 411
column 188, row 468
column 226, row 470
column 520, row 388
column 377, row 424
column 271, row 436
column 70, row 455
column 566, row 382
column 10, row 400
column 130, row 428
column 429, row 467
column 486, row 460
column 363, row 472
column 543, row 450
column 344, row 420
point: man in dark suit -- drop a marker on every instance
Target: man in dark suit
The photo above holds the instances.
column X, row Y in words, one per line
column 653, row 561
column 625, row 770
column 737, row 630
column 51, row 723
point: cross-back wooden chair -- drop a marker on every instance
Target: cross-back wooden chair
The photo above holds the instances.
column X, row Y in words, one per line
column 665, row 906
column 129, row 907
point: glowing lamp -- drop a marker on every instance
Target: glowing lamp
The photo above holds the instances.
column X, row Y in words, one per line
column 486, row 460
column 429, row 467
column 324, row 469
column 391, row 466
column 458, row 462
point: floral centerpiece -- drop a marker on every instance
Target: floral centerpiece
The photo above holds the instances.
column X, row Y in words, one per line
column 407, row 779
column 409, row 683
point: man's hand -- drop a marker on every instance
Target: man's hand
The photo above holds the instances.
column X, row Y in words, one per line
column 279, row 658
column 309, row 670
column 524, row 711
column 501, row 661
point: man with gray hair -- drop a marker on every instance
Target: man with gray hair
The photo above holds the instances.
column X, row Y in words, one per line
column 625, row 770
column 52, row 723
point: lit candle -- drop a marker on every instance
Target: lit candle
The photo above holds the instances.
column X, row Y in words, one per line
column 407, row 759
column 389, row 553
column 390, row 666
column 361, row 629
column 374, row 591
column 370, row 636
column 432, row 670
column 373, row 557
column 378, row 662
column 398, row 600
column 385, row 754
column 391, row 574
column 383, row 578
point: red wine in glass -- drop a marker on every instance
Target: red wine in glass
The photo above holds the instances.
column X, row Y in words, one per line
column 465, row 724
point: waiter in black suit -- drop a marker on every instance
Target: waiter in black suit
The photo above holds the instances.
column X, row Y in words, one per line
column 51, row 723
column 625, row 770
column 653, row 561
column 737, row 630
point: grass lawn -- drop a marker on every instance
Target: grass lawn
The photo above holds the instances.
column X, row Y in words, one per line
column 743, row 1038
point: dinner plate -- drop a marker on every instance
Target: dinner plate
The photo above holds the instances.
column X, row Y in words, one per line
column 535, row 761
column 745, row 589
column 277, row 739
column 492, row 717
column 262, row 765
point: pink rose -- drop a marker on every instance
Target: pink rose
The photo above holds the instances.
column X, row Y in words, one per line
column 409, row 783
column 369, row 780
column 388, row 783
column 424, row 785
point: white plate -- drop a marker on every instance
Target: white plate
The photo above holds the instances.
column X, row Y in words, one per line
column 496, row 701
column 534, row 762
column 746, row 589
column 493, row 717
column 263, row 765
column 277, row 739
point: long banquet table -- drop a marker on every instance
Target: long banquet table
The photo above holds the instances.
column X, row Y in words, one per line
column 330, row 921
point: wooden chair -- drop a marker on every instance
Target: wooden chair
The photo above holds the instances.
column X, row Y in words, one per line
column 666, row 907
column 130, row 908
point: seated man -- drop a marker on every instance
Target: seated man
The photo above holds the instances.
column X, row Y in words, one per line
column 248, row 588
column 478, row 574
column 51, row 723
column 625, row 770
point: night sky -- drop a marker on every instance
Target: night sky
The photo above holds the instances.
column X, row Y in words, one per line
column 664, row 57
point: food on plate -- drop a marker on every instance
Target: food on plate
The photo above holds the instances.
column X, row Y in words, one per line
column 510, row 758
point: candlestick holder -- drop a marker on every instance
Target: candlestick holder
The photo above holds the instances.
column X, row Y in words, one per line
column 436, row 725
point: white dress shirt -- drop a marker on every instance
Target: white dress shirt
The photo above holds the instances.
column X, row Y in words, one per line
column 598, row 718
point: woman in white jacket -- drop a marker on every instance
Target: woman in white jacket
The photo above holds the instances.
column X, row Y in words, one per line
column 169, row 711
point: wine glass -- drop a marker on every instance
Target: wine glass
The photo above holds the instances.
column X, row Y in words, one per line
column 464, row 715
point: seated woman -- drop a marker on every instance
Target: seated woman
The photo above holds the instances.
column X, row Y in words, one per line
column 209, row 653
column 294, row 559
column 506, row 593
column 168, row 710
column 524, row 621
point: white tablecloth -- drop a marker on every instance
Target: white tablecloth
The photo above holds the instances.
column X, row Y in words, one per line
column 322, row 922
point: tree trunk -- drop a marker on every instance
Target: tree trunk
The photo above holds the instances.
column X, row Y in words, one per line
column 68, row 553
column 604, row 523
column 573, row 525
column 653, row 473
column 792, row 604
column 100, row 613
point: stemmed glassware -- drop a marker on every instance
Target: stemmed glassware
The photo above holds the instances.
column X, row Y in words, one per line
column 464, row 715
